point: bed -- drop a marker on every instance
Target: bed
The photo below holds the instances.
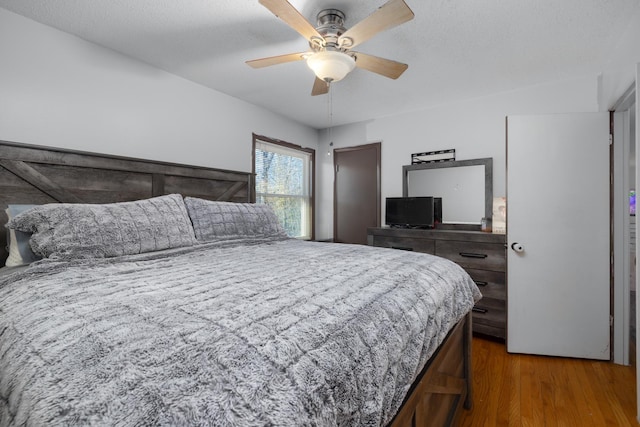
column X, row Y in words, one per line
column 213, row 316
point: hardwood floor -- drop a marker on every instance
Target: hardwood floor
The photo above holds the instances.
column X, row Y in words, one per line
column 524, row 390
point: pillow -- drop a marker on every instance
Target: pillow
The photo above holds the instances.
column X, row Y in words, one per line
column 214, row 221
column 20, row 252
column 99, row 231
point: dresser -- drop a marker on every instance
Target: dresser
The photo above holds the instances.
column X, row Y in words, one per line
column 482, row 255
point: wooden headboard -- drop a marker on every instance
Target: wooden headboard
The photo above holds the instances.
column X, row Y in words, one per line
column 31, row 174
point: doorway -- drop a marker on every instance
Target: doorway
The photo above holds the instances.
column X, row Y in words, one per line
column 356, row 201
column 623, row 215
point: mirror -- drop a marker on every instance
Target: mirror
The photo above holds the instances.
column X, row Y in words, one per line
column 466, row 187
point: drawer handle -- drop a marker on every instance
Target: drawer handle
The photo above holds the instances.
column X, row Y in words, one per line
column 472, row 255
column 402, row 248
column 479, row 310
column 479, row 283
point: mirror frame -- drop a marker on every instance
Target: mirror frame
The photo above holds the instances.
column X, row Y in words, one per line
column 487, row 162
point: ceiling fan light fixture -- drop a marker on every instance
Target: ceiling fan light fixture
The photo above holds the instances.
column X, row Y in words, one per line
column 331, row 65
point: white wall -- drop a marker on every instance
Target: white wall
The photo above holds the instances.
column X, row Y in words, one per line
column 619, row 72
column 59, row 90
column 475, row 128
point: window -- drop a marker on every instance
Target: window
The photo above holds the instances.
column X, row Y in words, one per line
column 284, row 180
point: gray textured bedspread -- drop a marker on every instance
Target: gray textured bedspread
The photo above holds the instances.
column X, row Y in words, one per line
column 283, row 333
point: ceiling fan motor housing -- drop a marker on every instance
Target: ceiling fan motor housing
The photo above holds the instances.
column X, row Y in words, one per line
column 330, row 25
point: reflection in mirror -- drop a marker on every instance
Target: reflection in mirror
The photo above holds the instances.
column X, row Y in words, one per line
column 466, row 187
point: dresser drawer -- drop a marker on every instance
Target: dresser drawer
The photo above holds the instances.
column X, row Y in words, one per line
column 493, row 291
column 406, row 243
column 490, row 312
column 482, row 277
column 490, row 283
column 483, row 256
column 492, row 331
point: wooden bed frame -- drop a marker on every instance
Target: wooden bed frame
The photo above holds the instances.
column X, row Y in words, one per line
column 32, row 174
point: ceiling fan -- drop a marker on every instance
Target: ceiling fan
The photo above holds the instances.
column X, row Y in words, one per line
column 331, row 57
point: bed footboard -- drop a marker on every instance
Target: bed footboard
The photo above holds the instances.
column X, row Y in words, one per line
column 443, row 387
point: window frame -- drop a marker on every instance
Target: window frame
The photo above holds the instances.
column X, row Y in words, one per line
column 312, row 172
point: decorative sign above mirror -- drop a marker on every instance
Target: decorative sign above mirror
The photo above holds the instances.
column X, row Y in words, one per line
column 434, row 156
column 466, row 187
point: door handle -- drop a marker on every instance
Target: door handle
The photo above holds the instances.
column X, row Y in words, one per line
column 517, row 247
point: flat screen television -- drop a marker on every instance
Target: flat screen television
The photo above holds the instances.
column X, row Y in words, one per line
column 413, row 212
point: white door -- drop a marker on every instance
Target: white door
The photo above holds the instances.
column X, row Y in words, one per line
column 558, row 211
column 637, row 265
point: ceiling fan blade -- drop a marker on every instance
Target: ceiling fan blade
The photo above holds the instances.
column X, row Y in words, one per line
column 290, row 15
column 320, row 87
column 274, row 60
column 389, row 15
column 384, row 67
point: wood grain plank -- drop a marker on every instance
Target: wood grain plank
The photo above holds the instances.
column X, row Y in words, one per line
column 505, row 385
column 232, row 191
column 514, row 395
column 442, row 408
column 589, row 389
column 158, row 183
column 441, row 383
column 94, row 179
column 548, row 392
column 40, row 181
column 569, row 399
column 528, row 390
column 207, row 189
column 46, row 155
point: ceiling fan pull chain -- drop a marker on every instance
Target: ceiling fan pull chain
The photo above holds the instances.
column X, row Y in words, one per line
column 330, row 115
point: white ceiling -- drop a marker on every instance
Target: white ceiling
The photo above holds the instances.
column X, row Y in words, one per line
column 455, row 49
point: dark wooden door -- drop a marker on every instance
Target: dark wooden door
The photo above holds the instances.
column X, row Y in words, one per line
column 356, row 192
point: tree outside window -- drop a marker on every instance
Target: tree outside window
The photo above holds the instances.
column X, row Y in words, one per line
column 284, row 181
